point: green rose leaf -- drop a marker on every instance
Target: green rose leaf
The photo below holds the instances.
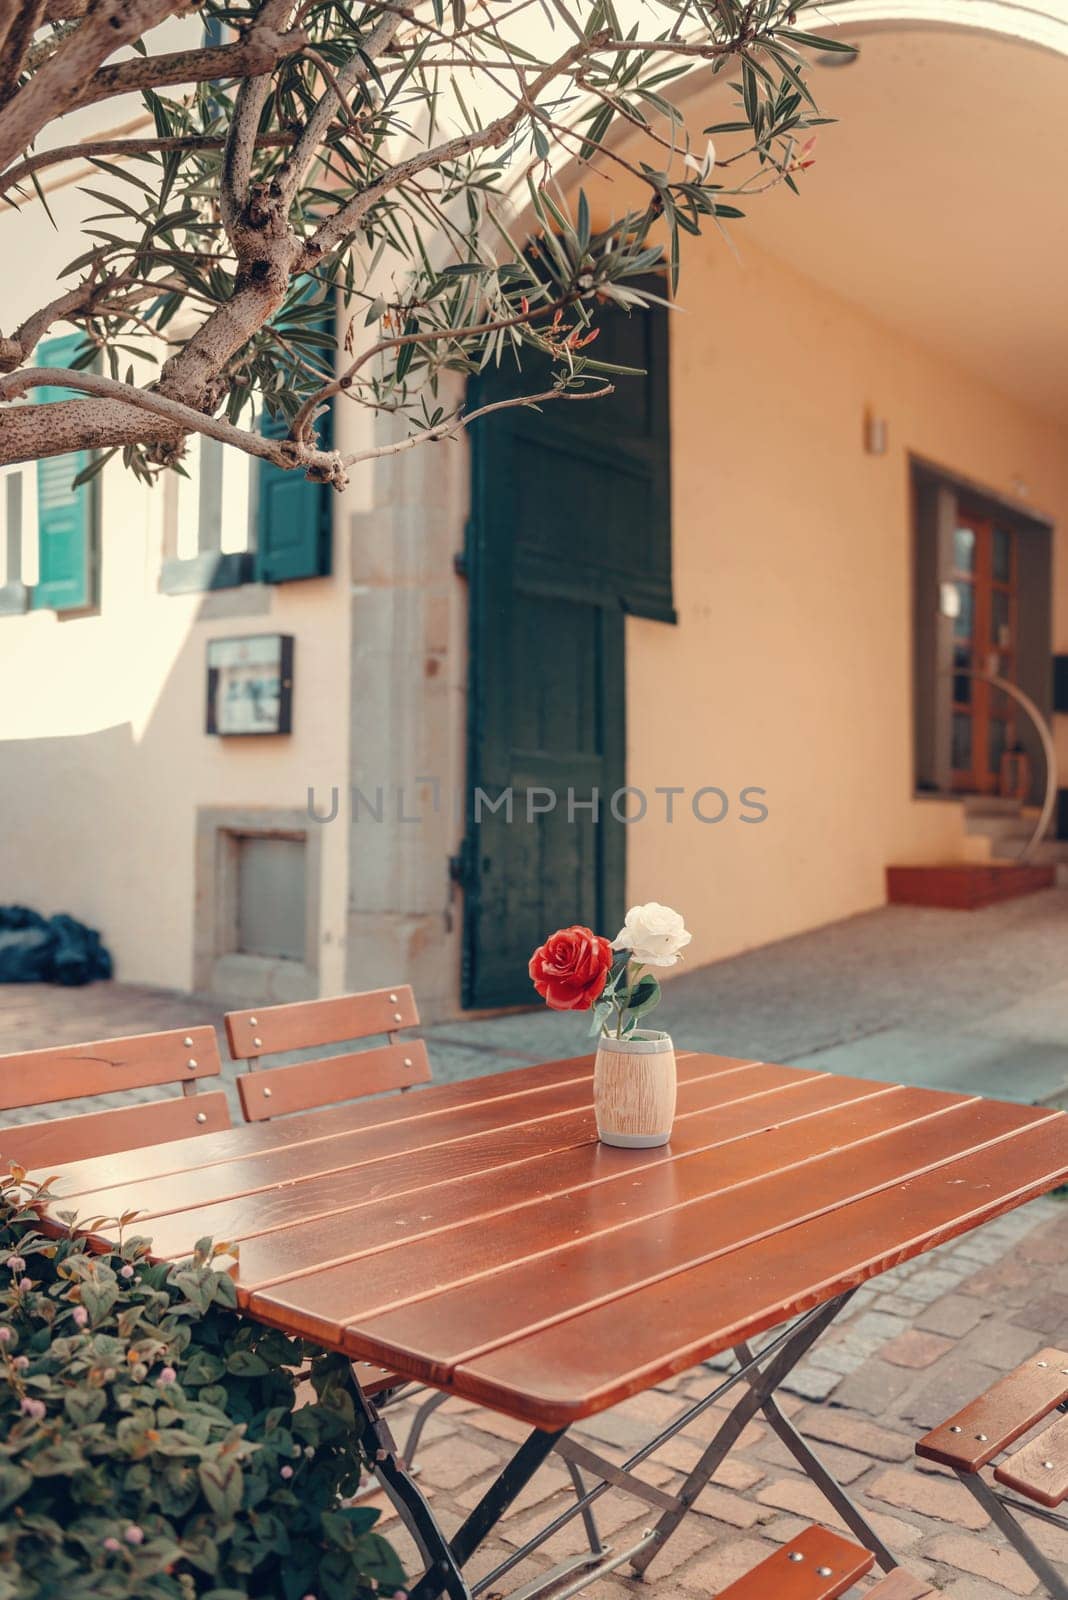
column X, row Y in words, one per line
column 645, row 996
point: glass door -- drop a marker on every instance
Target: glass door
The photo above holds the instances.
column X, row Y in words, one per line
column 984, row 640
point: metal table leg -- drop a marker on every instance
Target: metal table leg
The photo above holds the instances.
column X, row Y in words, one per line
column 997, row 1508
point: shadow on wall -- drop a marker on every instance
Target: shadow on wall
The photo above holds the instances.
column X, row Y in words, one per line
column 53, row 793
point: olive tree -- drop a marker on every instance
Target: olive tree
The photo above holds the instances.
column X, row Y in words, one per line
column 388, row 150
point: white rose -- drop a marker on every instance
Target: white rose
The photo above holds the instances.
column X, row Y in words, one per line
column 654, row 934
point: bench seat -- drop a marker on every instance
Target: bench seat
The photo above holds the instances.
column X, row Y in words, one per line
column 821, row 1565
column 1014, row 1405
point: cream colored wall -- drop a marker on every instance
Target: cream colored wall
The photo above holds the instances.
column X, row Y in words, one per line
column 104, row 759
column 790, row 667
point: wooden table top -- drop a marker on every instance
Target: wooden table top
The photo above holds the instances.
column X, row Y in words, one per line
column 476, row 1236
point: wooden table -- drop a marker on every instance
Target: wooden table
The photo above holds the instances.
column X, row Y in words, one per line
column 477, row 1238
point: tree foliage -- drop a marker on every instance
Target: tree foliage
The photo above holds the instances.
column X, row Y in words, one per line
column 399, row 151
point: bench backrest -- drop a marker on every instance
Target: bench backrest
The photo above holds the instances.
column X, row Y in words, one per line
column 109, row 1066
column 311, row 1024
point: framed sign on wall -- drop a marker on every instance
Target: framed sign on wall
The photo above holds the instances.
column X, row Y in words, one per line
column 250, row 685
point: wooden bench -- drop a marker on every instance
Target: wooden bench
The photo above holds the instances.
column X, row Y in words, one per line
column 275, row 1091
column 1038, row 1472
column 820, row 1565
column 108, row 1066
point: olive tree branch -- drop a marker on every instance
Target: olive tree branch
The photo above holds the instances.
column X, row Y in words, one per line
column 324, row 466
column 252, row 96
column 462, row 419
column 340, row 86
column 19, row 30
column 86, row 151
column 57, row 86
column 303, row 418
column 338, row 227
column 250, row 57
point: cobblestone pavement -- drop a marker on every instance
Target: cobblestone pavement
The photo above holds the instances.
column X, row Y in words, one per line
column 918, row 1342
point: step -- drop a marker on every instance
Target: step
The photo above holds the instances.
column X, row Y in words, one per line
column 989, row 805
column 1054, row 850
column 1000, row 826
column 966, row 885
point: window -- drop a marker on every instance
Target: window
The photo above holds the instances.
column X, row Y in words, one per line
column 207, row 519
column 48, row 521
column 18, row 537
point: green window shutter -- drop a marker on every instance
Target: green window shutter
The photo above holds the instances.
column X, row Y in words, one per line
column 294, row 517
column 66, row 517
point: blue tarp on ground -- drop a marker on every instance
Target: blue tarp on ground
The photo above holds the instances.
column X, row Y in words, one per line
column 36, row 949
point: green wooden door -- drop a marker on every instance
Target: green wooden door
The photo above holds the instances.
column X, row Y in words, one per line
column 570, row 529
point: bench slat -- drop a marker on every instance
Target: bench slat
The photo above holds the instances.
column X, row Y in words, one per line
column 980, row 1431
column 817, row 1565
column 307, row 1024
column 273, row 1091
column 1039, row 1469
column 375, row 1380
column 107, row 1133
column 107, row 1066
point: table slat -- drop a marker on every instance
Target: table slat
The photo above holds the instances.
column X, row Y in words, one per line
column 470, row 1201
column 241, row 1142
column 593, row 1361
column 493, row 1302
column 406, row 1148
column 533, row 1259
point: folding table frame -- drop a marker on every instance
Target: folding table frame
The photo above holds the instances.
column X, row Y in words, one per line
column 762, row 1373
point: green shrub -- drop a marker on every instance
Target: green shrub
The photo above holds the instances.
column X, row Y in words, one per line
column 151, row 1443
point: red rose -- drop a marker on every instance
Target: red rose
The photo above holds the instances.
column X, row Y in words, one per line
column 571, row 968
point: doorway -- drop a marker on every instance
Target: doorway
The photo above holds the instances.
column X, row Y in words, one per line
column 982, row 603
column 570, row 530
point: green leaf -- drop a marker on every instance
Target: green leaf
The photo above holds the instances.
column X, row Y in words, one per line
column 245, row 1364
column 583, row 229
column 818, row 41
column 96, row 465
column 84, row 1406
column 375, row 1558
column 98, row 1297
column 223, row 1486
column 346, row 1526
column 645, row 996
column 14, row 1481
column 600, row 1015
